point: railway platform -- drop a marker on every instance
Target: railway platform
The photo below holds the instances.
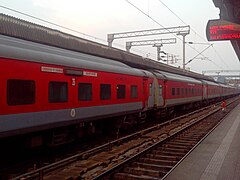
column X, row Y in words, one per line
column 218, row 155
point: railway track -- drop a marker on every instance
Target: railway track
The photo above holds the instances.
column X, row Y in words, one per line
column 158, row 160
column 133, row 156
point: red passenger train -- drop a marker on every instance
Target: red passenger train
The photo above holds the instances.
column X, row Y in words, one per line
column 49, row 92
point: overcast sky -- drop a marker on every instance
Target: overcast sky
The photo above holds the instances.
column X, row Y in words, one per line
column 95, row 19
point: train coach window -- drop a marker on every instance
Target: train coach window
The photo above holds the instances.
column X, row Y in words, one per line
column 84, row 91
column 58, row 92
column 150, row 89
column 160, row 90
column 20, row 92
column 105, row 91
column 121, row 91
column 178, row 91
column 173, row 91
column 134, row 91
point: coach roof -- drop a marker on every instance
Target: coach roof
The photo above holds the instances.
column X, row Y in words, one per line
column 176, row 77
column 30, row 51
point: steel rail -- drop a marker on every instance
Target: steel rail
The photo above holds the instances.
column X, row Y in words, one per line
column 138, row 155
column 54, row 166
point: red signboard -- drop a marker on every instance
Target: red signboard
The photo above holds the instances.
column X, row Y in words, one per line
column 218, row 30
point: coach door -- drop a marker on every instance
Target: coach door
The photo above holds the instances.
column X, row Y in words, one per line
column 145, row 93
column 160, row 95
column 204, row 91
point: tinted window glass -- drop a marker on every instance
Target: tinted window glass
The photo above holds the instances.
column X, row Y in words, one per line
column 182, row 91
column 58, row 92
column 121, row 91
column 84, row 91
column 178, row 91
column 160, row 90
column 105, row 91
column 20, row 92
column 173, row 91
column 134, row 92
column 150, row 89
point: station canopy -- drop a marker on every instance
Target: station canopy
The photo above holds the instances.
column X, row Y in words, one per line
column 230, row 18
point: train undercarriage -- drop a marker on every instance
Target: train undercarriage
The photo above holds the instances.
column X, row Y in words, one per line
column 113, row 125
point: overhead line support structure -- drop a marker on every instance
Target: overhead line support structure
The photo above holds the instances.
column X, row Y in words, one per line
column 183, row 34
column 171, row 30
column 220, row 71
column 156, row 43
column 129, row 44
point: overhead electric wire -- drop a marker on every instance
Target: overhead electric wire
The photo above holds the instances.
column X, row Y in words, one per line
column 164, row 28
column 34, row 17
column 84, row 34
column 220, row 57
column 192, row 30
column 152, row 19
column 198, row 54
column 181, row 20
column 159, row 24
column 45, row 21
column 207, row 58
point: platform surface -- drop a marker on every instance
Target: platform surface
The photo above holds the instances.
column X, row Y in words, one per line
column 217, row 157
